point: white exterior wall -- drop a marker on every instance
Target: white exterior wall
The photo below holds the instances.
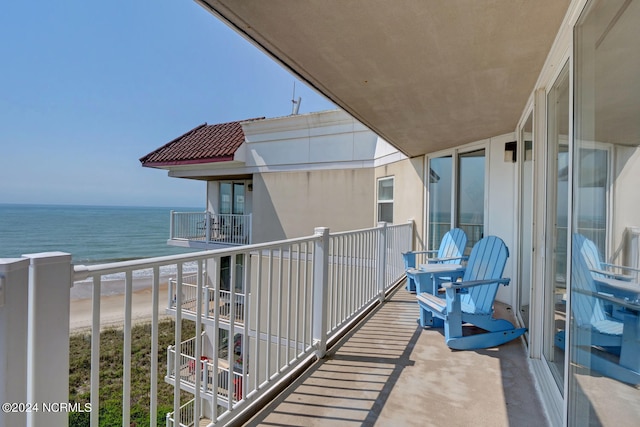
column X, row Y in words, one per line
column 291, row 204
column 320, row 140
column 501, row 201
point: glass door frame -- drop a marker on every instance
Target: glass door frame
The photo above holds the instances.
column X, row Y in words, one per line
column 454, row 154
column 523, row 253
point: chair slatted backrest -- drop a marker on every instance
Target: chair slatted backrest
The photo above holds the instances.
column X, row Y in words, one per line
column 486, row 261
column 586, row 309
column 591, row 254
column 452, row 245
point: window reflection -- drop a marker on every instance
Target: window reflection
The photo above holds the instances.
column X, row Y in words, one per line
column 470, row 194
column 605, row 349
column 440, row 192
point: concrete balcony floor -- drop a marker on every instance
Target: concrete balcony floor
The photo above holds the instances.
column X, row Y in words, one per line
column 390, row 372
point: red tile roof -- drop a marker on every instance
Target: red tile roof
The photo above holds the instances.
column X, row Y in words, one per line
column 202, row 144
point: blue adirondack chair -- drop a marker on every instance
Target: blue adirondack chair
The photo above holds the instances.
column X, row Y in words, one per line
column 595, row 327
column 600, row 269
column 471, row 300
column 450, row 252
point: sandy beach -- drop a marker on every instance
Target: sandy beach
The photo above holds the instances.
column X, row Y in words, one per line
column 112, row 304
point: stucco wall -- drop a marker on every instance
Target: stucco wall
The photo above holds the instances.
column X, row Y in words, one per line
column 291, row 204
column 408, row 193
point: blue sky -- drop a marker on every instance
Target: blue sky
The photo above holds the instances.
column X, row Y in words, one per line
column 87, row 88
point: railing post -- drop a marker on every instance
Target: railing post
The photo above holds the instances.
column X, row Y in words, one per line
column 382, row 259
column 207, row 225
column 14, row 286
column 48, row 336
column 412, row 231
column 171, row 234
column 250, row 238
column 320, row 288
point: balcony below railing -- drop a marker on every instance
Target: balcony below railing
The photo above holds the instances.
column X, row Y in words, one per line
column 210, row 228
column 222, row 301
column 187, row 418
column 223, row 381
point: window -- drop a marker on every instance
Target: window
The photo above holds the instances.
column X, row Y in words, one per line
column 470, row 195
column 225, row 273
column 232, row 198
column 385, row 200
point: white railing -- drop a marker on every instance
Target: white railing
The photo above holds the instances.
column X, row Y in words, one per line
column 210, row 227
column 209, row 300
column 187, row 415
column 363, row 265
column 300, row 293
column 207, row 381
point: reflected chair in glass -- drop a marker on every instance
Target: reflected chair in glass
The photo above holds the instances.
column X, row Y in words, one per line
column 601, row 341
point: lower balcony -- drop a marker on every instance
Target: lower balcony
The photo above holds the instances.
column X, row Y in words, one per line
column 207, row 230
column 187, row 418
column 212, row 300
column 224, row 383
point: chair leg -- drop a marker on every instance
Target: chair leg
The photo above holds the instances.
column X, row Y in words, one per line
column 500, row 332
column 428, row 319
column 484, row 340
column 411, row 284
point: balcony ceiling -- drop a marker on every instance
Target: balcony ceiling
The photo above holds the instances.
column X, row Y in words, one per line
column 424, row 74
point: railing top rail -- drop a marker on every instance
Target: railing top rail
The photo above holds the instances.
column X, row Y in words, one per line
column 82, row 272
column 351, row 232
column 405, row 225
column 186, row 341
column 362, row 230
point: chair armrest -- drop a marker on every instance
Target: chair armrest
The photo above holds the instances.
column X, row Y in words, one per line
column 471, row 283
column 621, row 267
column 630, row 305
column 434, row 260
column 611, row 274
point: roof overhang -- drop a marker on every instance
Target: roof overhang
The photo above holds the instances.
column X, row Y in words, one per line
column 170, row 164
column 424, row 74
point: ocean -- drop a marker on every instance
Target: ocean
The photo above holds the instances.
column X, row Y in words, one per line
column 91, row 234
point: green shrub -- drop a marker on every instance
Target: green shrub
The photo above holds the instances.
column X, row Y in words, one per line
column 111, row 346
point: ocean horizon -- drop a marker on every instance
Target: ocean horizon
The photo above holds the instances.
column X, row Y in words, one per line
column 92, row 234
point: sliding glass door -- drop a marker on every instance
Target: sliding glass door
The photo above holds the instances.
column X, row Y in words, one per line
column 470, row 195
column 457, row 196
column 525, row 154
column 440, row 197
column 557, row 208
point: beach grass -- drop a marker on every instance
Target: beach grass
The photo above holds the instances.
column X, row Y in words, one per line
column 111, row 370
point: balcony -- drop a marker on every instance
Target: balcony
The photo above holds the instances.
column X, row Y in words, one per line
column 186, row 415
column 224, row 382
column 207, row 230
column 211, row 299
column 327, row 314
